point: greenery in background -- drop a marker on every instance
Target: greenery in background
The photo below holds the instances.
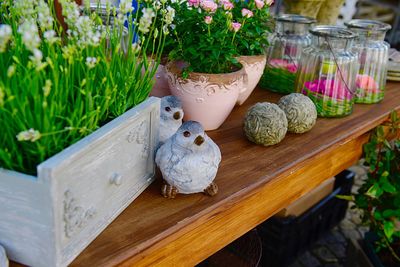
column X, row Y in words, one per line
column 252, row 38
column 58, row 86
column 209, row 35
column 379, row 197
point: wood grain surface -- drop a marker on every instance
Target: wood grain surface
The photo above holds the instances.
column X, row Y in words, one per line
column 254, row 182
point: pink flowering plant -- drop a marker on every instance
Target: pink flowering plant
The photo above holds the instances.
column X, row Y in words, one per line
column 58, row 84
column 206, row 36
column 254, row 17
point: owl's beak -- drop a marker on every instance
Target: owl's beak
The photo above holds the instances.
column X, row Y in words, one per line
column 177, row 115
column 199, row 140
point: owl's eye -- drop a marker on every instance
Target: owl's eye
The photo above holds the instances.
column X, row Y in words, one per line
column 168, row 109
column 186, row 134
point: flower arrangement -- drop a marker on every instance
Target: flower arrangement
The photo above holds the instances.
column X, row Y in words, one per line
column 379, row 196
column 368, row 91
column 58, row 84
column 330, row 96
column 210, row 34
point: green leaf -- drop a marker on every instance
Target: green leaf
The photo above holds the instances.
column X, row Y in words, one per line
column 344, row 197
column 387, row 144
column 388, row 228
column 386, row 185
column 378, row 215
column 389, row 213
column 374, row 191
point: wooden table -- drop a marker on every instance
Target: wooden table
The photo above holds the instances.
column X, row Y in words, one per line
column 255, row 182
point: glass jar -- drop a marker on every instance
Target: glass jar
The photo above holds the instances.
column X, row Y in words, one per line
column 328, row 69
column 286, row 43
column 373, row 53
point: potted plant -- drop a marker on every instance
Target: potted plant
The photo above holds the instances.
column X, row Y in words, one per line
column 251, row 40
column 75, row 123
column 379, row 197
column 204, row 72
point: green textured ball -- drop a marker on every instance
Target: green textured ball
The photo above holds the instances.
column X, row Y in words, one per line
column 300, row 111
column 265, row 124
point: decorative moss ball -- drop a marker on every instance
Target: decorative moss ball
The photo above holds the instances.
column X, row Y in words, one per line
column 300, row 111
column 265, row 124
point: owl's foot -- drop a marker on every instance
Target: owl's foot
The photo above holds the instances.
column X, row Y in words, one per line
column 169, row 191
column 211, row 190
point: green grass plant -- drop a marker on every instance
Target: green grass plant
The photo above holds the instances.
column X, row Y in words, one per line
column 58, row 86
column 329, row 107
column 278, row 80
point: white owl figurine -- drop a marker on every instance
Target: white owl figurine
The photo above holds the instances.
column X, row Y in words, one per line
column 189, row 162
column 3, row 257
column 171, row 115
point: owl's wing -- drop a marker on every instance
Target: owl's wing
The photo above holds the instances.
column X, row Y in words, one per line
column 163, row 155
column 211, row 159
column 216, row 152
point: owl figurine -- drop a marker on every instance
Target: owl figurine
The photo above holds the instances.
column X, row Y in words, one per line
column 189, row 162
column 171, row 115
column 3, row 257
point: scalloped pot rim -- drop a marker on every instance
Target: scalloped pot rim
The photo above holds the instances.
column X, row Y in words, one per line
column 175, row 67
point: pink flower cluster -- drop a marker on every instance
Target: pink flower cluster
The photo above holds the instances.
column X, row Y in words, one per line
column 283, row 64
column 208, row 6
column 260, row 3
column 226, row 5
column 194, row 3
column 329, row 87
column 367, row 83
column 211, row 6
column 247, row 13
column 236, row 26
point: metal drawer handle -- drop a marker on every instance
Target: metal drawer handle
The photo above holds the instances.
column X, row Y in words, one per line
column 116, row 179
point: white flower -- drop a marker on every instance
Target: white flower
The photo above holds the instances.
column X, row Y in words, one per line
column 11, row 71
column 36, row 59
column 84, row 32
column 29, row 135
column 45, row 18
column 136, row 47
column 165, row 30
column 69, row 53
column 5, row 36
column 91, row 62
column 47, row 88
column 157, row 5
column 50, row 36
column 146, row 20
column 169, row 15
column 26, row 8
column 70, row 11
column 125, row 6
column 30, row 35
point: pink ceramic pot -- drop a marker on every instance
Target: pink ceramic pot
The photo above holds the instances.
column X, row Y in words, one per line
column 206, row 98
column 254, row 68
column 160, row 87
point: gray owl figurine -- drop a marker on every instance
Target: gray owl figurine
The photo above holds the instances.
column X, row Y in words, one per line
column 3, row 257
column 189, row 162
column 171, row 115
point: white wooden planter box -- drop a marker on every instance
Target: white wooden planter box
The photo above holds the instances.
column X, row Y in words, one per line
column 49, row 219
